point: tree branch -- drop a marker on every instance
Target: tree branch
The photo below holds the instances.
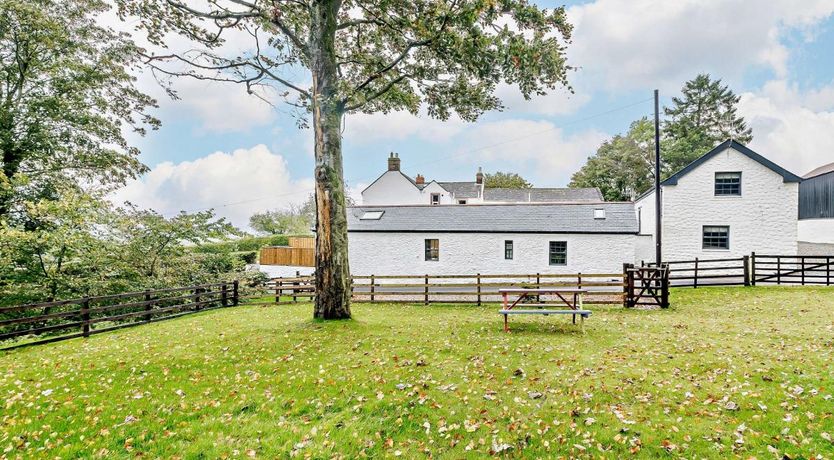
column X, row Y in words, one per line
column 377, row 94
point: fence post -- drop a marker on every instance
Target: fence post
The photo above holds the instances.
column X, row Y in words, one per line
column 197, row 292
column 427, row 289
column 85, row 317
column 373, row 289
column 803, row 270
column 579, row 280
column 479, row 289
column 294, row 284
column 538, row 281
column 224, row 296
column 828, row 271
column 148, row 305
column 778, row 270
column 746, row 264
column 752, row 268
column 695, row 283
column 626, row 282
column 664, row 283
column 235, row 296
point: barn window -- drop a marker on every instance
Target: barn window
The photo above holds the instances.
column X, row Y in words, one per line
column 432, row 249
column 558, row 253
column 727, row 184
column 508, row 249
column 435, row 198
column 716, row 237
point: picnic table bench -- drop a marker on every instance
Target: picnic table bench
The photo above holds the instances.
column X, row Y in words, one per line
column 572, row 298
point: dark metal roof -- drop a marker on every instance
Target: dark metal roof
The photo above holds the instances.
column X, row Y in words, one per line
column 462, row 190
column 825, row 169
column 543, row 195
column 787, row 176
column 498, row 218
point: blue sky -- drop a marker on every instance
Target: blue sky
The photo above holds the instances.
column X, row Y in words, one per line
column 223, row 149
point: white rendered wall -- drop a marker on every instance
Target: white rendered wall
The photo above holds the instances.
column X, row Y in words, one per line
column 469, row 253
column 434, row 187
column 763, row 219
column 816, row 230
column 645, row 210
column 390, row 189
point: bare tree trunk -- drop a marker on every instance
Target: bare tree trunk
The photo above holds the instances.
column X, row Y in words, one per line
column 332, row 270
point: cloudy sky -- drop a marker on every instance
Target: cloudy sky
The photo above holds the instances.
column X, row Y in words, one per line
column 220, row 148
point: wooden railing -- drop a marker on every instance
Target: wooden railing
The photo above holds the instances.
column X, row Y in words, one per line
column 604, row 288
column 709, row 272
column 82, row 317
column 801, row 270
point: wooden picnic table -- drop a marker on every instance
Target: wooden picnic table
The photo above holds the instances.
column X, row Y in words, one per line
column 572, row 298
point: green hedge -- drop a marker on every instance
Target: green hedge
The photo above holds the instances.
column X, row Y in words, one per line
column 245, row 244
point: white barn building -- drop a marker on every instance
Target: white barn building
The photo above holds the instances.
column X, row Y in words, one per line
column 491, row 239
column 728, row 203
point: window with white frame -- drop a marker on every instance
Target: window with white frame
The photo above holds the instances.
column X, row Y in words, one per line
column 728, row 184
column 716, row 237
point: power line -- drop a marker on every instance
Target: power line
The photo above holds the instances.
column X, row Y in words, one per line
column 435, row 160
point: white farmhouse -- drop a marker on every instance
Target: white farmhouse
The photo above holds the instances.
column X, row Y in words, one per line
column 491, row 239
column 394, row 187
column 728, row 203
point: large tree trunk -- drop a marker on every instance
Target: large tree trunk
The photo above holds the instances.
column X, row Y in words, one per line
column 332, row 270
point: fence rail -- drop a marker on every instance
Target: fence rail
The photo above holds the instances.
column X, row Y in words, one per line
column 65, row 319
column 603, row 288
column 709, row 272
column 792, row 270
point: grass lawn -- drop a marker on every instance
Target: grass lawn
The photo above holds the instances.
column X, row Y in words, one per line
column 724, row 373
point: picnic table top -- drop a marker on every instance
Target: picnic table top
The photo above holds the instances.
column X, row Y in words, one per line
column 542, row 290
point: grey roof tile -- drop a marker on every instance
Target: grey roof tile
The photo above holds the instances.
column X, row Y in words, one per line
column 542, row 195
column 462, row 190
column 498, row 218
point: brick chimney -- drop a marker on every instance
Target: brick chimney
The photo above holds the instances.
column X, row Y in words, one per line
column 394, row 162
column 420, row 180
column 479, row 178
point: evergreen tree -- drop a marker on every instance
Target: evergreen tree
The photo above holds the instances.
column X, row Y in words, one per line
column 704, row 116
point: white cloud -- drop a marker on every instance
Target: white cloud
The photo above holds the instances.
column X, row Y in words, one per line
column 545, row 152
column 659, row 43
column 793, row 128
column 559, row 101
column 368, row 128
column 234, row 184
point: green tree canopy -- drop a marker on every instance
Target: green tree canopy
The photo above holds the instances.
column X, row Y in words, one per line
column 622, row 167
column 500, row 179
column 362, row 56
column 66, row 96
column 705, row 115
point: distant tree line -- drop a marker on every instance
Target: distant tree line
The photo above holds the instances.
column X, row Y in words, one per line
column 703, row 116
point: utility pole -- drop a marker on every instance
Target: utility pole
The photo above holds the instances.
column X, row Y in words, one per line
column 657, row 201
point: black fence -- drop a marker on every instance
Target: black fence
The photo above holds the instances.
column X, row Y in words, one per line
column 752, row 270
column 53, row 321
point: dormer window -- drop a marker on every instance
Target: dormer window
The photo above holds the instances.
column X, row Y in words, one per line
column 435, row 199
column 728, row 184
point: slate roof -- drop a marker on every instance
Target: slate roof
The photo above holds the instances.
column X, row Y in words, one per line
column 543, row 195
column 787, row 176
column 498, row 218
column 825, row 169
column 462, row 190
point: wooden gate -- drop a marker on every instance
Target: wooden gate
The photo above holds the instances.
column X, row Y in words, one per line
column 646, row 286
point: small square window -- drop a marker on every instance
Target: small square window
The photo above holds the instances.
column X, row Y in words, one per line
column 435, row 198
column 558, row 253
column 728, row 184
column 716, row 237
column 432, row 250
column 461, row 201
column 599, row 213
column 508, row 249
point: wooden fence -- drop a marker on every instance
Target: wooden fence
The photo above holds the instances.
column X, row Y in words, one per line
column 66, row 319
column 709, row 272
column 284, row 255
column 302, row 242
column 606, row 288
column 792, row 270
